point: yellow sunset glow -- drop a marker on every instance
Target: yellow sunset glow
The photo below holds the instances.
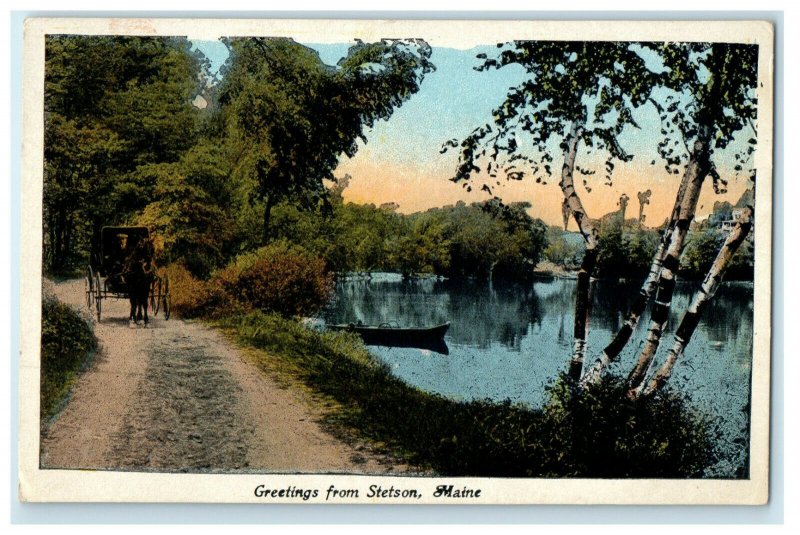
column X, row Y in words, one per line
column 415, row 189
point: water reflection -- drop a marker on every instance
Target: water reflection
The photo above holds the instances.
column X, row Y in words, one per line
column 509, row 340
column 480, row 314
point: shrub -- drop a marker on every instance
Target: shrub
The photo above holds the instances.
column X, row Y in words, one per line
column 600, row 433
column 277, row 278
column 191, row 297
column 564, row 253
column 67, row 343
column 702, row 249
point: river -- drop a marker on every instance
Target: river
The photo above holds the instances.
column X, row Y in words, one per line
column 509, row 340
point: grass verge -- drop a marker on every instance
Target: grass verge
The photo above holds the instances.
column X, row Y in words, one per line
column 68, row 344
column 595, row 434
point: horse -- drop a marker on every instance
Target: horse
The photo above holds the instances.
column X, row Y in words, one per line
column 139, row 273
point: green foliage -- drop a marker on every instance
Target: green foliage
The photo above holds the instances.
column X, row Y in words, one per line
column 292, row 117
column 67, row 343
column 279, row 278
column 625, row 253
column 363, row 234
column 192, row 297
column 702, row 248
column 421, row 249
column 743, row 262
column 477, row 240
column 191, row 214
column 719, row 80
column 598, row 434
column 563, row 251
column 350, row 237
column 112, row 105
column 593, row 85
column 489, row 239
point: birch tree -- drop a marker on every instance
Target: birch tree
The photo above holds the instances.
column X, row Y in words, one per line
column 720, row 82
column 711, row 99
column 704, row 294
column 577, row 93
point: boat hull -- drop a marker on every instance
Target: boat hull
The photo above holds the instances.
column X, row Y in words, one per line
column 418, row 337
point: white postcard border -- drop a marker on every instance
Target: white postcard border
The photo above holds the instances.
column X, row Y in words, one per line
column 111, row 486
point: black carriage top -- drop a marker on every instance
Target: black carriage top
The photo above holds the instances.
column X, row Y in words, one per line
column 116, row 244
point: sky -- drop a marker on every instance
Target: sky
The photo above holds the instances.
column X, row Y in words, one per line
column 401, row 161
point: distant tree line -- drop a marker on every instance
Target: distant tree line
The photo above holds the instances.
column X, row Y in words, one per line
column 480, row 240
column 625, row 252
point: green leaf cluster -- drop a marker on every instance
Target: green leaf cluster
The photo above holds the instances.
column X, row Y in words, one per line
column 127, row 143
column 113, row 105
column 477, row 240
column 290, row 117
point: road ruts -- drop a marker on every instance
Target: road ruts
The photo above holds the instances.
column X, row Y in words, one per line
column 177, row 397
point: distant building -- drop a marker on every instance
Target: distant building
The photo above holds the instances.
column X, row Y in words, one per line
column 727, row 225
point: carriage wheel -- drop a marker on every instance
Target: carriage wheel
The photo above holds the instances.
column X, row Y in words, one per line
column 166, row 299
column 98, row 295
column 89, row 288
column 155, row 295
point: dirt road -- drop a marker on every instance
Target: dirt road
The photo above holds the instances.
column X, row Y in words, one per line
column 177, row 397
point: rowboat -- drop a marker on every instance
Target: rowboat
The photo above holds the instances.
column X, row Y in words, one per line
column 392, row 335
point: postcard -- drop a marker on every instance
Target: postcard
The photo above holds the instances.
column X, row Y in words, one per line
column 396, row 261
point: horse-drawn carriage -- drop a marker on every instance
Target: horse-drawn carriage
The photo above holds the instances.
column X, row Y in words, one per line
column 125, row 269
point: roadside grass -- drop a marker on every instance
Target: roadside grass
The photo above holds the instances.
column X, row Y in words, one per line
column 597, row 434
column 68, row 345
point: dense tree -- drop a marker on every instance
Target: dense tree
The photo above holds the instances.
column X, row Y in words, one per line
column 483, row 240
column 421, row 249
column 191, row 213
column 562, row 250
column 480, row 240
column 112, row 105
column 291, row 116
column 350, row 237
column 624, row 252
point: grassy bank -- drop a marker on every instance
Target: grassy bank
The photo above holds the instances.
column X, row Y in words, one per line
column 68, row 343
column 597, row 434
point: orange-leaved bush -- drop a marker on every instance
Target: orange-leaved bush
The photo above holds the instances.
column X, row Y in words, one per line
column 191, row 297
column 278, row 278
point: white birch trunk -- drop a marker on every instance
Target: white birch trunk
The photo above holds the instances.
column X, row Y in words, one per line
column 612, row 351
column 697, row 170
column 589, row 233
column 699, row 302
column 620, row 340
